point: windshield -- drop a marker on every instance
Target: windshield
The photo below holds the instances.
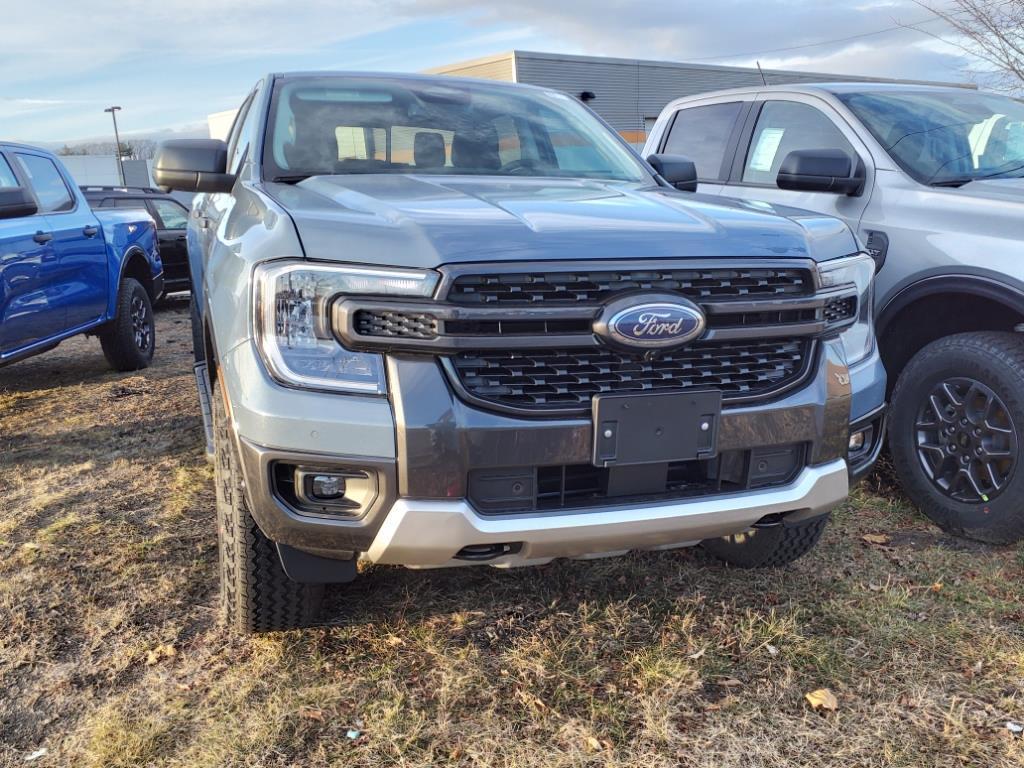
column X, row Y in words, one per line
column 946, row 137
column 344, row 125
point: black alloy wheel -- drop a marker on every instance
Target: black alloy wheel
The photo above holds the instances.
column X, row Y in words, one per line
column 142, row 328
column 966, row 440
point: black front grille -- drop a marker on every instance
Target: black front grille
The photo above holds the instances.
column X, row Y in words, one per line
column 568, row 379
column 517, row 327
column 403, row 325
column 541, row 489
column 569, row 287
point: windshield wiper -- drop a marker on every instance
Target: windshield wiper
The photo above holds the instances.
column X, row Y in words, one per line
column 293, row 179
column 1004, row 173
column 951, row 182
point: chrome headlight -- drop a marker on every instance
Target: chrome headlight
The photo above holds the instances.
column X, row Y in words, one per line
column 856, row 272
column 293, row 323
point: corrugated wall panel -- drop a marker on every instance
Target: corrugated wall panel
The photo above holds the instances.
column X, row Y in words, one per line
column 616, row 84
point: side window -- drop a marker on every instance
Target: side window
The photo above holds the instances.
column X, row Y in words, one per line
column 242, row 132
column 51, row 191
column 702, row 134
column 516, row 142
column 171, row 214
column 7, row 177
column 359, row 143
column 124, row 202
column 510, row 147
column 784, row 127
column 411, row 146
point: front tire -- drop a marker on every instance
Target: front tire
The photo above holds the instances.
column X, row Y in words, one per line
column 129, row 339
column 769, row 547
column 955, row 434
column 256, row 594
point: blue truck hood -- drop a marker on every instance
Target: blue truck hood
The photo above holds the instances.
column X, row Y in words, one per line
column 425, row 221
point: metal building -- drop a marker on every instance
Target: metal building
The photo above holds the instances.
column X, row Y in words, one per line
column 629, row 93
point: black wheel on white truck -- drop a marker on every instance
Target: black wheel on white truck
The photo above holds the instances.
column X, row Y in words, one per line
column 955, row 433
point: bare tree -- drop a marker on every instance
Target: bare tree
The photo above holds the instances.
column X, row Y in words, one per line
column 991, row 31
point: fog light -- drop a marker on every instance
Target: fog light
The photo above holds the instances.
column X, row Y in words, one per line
column 327, row 487
column 857, row 441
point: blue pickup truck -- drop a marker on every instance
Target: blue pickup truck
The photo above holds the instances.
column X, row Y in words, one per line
column 66, row 270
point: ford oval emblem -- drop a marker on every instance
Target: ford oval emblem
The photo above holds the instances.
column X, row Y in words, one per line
column 650, row 322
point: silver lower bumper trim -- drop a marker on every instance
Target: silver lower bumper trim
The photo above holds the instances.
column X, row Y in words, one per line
column 428, row 533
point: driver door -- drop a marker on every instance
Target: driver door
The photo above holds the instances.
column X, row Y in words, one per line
column 781, row 123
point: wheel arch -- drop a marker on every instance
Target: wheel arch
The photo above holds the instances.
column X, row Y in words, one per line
column 941, row 305
column 135, row 264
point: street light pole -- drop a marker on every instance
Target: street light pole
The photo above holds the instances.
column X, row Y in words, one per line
column 117, row 142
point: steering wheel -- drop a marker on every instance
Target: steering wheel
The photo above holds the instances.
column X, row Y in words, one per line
column 519, row 166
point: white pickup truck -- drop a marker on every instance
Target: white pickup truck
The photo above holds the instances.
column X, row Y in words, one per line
column 932, row 180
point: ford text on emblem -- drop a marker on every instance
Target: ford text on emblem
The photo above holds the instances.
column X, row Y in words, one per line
column 650, row 322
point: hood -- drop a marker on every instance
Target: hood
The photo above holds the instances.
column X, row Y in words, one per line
column 425, row 221
column 1004, row 190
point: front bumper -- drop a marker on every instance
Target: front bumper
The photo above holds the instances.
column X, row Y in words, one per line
column 422, row 533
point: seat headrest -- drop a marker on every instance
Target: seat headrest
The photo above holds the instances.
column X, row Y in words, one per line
column 428, row 150
column 477, row 150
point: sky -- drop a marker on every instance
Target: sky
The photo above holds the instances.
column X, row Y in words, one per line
column 170, row 63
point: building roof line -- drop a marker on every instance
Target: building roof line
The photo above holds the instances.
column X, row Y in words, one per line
column 516, row 55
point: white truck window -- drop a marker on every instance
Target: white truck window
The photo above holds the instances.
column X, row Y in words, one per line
column 702, row 134
column 784, row 127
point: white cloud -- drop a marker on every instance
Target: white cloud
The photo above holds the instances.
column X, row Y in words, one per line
column 72, row 36
column 173, row 61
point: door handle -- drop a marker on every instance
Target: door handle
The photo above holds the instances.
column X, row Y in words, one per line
column 90, row 231
column 181, row 238
column 42, row 237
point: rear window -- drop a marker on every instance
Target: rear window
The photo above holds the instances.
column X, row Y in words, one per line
column 7, row 177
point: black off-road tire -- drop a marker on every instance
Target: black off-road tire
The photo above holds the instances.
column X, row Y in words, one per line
column 129, row 339
column 996, row 360
column 255, row 593
column 769, row 547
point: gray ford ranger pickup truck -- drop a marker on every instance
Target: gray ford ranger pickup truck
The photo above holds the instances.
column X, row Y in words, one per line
column 441, row 322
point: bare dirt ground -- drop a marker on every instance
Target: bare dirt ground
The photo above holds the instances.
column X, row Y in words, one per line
column 111, row 654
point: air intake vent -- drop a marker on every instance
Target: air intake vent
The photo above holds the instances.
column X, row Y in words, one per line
column 402, row 325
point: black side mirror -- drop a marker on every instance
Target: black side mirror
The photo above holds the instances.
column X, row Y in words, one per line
column 821, row 170
column 193, row 165
column 677, row 170
column 16, row 202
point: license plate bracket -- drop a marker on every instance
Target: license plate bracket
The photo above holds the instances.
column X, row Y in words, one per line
column 655, row 427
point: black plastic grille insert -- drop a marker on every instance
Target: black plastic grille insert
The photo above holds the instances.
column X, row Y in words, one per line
column 398, row 324
column 568, row 379
column 598, row 285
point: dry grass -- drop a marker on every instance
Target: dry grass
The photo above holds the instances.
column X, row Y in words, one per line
column 111, row 655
